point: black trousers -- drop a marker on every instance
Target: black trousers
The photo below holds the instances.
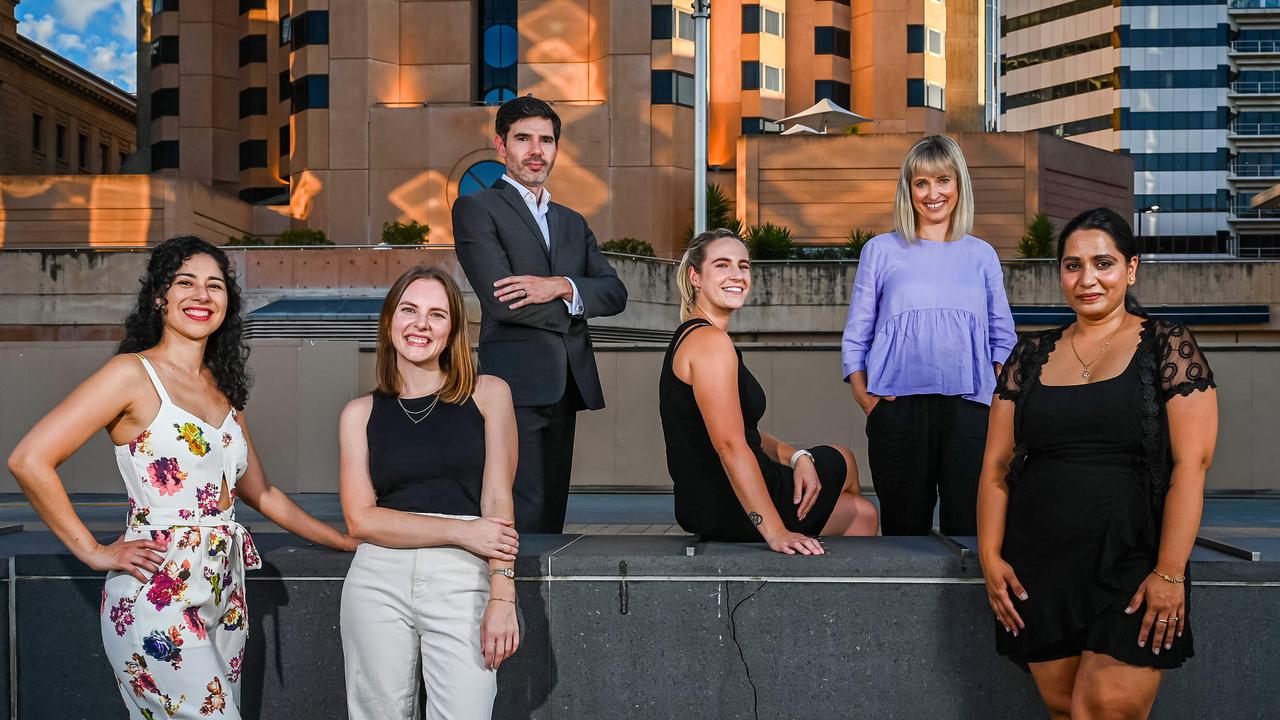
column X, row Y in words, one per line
column 922, row 448
column 541, row 490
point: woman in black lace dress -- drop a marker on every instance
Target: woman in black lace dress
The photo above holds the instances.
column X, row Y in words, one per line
column 1092, row 487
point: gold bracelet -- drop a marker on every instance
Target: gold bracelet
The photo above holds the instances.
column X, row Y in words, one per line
column 513, row 602
column 1170, row 578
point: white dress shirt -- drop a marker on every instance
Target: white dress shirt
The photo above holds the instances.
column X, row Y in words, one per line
column 538, row 208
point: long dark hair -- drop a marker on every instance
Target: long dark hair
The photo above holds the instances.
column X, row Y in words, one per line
column 1117, row 228
column 225, row 354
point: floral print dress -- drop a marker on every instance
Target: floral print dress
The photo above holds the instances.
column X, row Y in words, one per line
column 176, row 643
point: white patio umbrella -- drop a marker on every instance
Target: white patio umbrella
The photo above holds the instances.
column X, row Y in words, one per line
column 826, row 115
column 799, row 129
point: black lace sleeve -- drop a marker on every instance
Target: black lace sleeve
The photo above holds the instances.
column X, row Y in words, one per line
column 1183, row 367
column 1013, row 376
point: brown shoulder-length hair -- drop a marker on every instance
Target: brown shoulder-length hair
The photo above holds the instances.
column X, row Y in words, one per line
column 455, row 360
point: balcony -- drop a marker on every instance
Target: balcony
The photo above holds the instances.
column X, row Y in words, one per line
column 1254, row 130
column 1254, row 7
column 1248, row 90
column 1254, row 171
column 1241, row 212
column 1255, row 53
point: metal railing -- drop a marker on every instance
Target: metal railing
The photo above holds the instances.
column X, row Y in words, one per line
column 1268, row 87
column 1256, row 46
column 1248, row 213
column 1243, row 128
column 1240, row 169
column 1253, row 4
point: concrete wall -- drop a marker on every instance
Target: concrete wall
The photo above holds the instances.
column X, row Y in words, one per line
column 301, row 386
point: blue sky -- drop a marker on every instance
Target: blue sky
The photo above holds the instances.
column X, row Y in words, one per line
column 99, row 35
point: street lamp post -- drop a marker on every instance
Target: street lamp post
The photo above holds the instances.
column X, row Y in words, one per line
column 1140, row 214
column 701, row 22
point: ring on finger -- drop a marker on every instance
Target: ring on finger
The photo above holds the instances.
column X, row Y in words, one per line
column 1162, row 621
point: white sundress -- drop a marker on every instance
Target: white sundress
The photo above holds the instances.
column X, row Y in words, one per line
column 176, row 643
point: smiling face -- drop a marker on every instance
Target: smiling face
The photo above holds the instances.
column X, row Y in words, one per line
column 724, row 279
column 421, row 323
column 196, row 302
column 933, row 195
column 1095, row 274
column 529, row 150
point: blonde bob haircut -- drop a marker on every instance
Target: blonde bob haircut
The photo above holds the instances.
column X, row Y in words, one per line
column 694, row 256
column 456, row 363
column 933, row 156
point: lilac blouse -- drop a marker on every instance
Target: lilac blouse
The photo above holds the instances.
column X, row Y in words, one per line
column 928, row 318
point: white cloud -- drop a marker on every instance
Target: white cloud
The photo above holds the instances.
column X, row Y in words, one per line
column 125, row 22
column 121, row 69
column 41, row 30
column 67, row 42
column 77, row 13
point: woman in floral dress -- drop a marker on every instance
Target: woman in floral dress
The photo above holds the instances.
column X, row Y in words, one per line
column 174, row 617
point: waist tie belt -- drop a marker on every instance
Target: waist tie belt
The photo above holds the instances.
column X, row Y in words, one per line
column 237, row 544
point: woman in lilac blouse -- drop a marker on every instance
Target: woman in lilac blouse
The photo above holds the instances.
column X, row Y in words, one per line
column 928, row 329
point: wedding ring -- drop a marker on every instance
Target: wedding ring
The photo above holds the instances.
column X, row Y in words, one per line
column 1159, row 620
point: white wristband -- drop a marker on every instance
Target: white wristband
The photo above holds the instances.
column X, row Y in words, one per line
column 798, row 454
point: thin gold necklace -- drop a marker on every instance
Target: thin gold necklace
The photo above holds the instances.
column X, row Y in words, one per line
column 1085, row 372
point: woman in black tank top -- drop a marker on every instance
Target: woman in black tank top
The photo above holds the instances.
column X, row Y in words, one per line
column 733, row 482
column 428, row 460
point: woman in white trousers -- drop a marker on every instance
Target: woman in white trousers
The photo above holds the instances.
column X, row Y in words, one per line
column 428, row 460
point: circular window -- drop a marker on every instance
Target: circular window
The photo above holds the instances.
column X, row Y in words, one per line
column 501, row 45
column 480, row 176
column 499, row 95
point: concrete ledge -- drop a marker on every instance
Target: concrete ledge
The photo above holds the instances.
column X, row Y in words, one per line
column 633, row 627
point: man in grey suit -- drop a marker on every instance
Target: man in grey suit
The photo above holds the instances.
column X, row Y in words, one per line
column 538, row 273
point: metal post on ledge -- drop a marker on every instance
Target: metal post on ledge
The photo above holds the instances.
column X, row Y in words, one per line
column 701, row 58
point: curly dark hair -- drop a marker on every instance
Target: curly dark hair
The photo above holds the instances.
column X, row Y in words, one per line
column 225, row 354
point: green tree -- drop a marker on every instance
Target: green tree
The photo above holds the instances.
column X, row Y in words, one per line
column 398, row 233
column 858, row 239
column 300, row 236
column 770, row 242
column 1037, row 241
column 628, row 246
column 719, row 214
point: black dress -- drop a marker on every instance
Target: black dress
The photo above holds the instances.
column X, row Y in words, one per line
column 705, row 502
column 1086, row 490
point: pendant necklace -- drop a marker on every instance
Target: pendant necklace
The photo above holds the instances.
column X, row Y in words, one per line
column 1085, row 373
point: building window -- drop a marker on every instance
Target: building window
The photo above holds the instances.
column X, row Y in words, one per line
column 774, row 23
column 1189, row 120
column 1057, row 52
column 750, row 76
column 253, row 154
column 82, row 150
column 286, row 87
column 1057, row 92
column 310, row 28
column 774, row 78
column 831, row 41
column 247, row 5
column 759, row 126
column 1058, row 12
column 671, row 23
column 253, row 101
column 915, row 38
column 253, row 49
column 284, row 140
column 1165, row 79
column 833, row 90
column 164, row 103
column 164, row 155
column 311, row 93
column 672, row 88
column 480, row 176
column 104, row 158
column 120, row 158
column 925, row 94
column 37, row 132
column 159, row 6
column 60, row 142
column 499, row 45
column 164, row 50
column 756, row 19
column 934, row 38
column 286, row 31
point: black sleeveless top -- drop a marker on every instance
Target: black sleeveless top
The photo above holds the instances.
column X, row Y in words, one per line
column 434, row 466
column 702, row 491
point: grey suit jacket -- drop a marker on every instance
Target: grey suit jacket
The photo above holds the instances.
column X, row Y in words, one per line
column 532, row 348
